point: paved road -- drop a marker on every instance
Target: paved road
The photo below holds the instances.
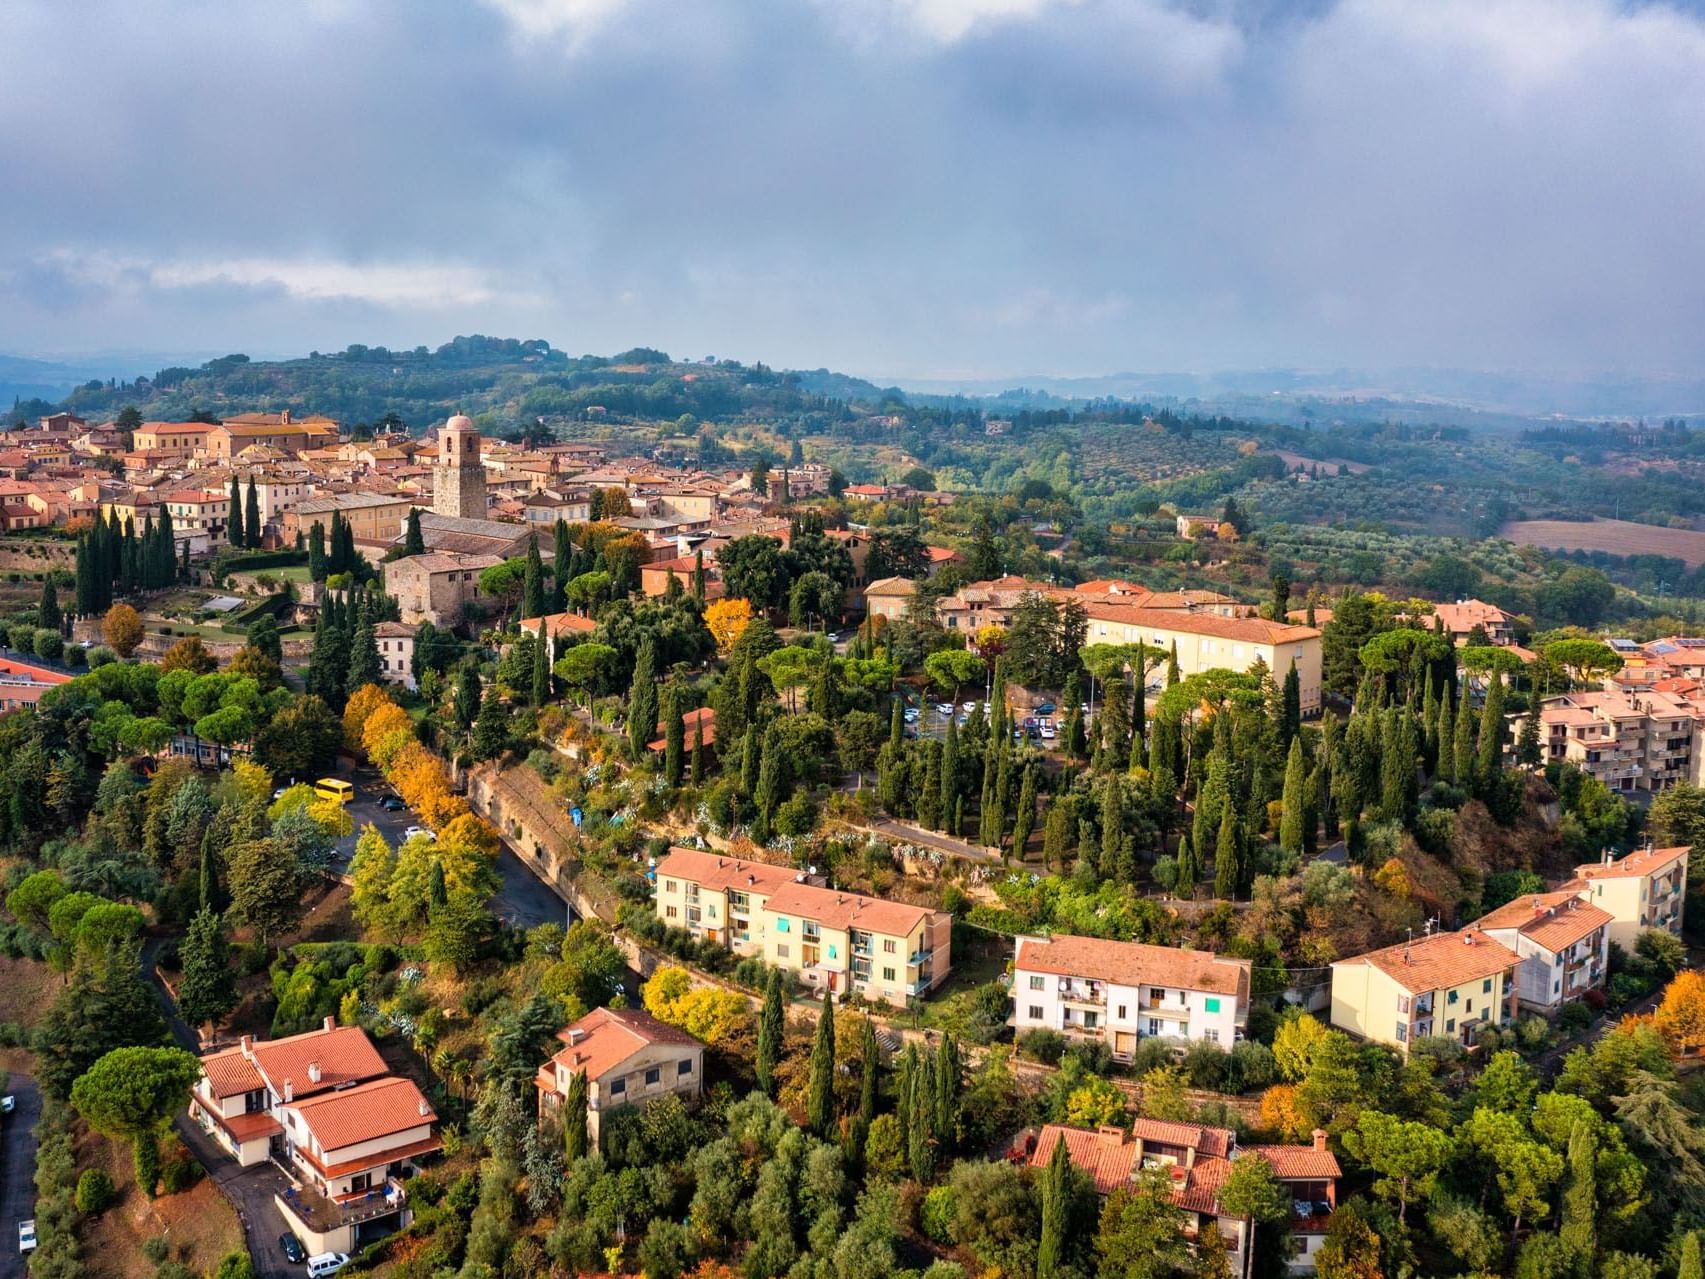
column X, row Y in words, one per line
column 522, row 900
column 249, row 1190
column 17, row 1171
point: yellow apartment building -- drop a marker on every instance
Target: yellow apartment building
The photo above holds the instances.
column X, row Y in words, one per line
column 1447, row 984
column 372, row 517
column 835, row 941
column 1646, row 889
column 176, row 439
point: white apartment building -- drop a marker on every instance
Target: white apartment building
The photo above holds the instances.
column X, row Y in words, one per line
column 1119, row 992
column 1563, row 941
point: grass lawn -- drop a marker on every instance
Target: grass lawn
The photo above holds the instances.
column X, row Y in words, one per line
column 984, row 960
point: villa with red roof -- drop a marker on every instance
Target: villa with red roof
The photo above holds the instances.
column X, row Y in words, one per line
column 325, row 1110
column 1198, row 1160
column 628, row 1057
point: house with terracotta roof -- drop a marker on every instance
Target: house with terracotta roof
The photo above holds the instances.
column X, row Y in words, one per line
column 1646, row 889
column 699, row 723
column 1197, row 1160
column 558, row 624
column 171, row 439
column 1117, row 992
column 436, row 587
column 325, row 1110
column 1564, row 944
column 1444, row 984
column 888, row 597
column 1635, row 740
column 835, row 941
column 628, row 1057
column 1460, row 619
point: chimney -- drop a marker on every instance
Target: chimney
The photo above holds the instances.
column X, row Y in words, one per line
column 313, row 1072
column 426, row 1113
column 1112, row 1130
column 249, row 1047
column 289, row 1091
column 1467, row 939
column 576, row 1034
column 1319, row 1135
column 1538, row 905
column 330, row 1022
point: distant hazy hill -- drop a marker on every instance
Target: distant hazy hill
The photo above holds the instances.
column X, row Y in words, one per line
column 501, row 382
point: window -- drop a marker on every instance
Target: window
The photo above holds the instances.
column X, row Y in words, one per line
column 684, row 1067
column 1450, row 998
column 1210, row 1036
column 1402, row 1033
column 670, row 886
column 1035, row 1012
column 1486, row 986
column 1121, row 1012
column 781, row 951
column 783, row 925
column 1036, row 983
column 653, row 1077
column 889, row 946
column 618, row 1087
column 1211, row 1005
column 1468, row 1007
column 887, row 974
column 670, row 912
column 1450, row 1026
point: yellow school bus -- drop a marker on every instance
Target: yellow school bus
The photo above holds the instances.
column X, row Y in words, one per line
column 334, row 788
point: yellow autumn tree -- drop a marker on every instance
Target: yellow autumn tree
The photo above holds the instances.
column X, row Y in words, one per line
column 708, row 1013
column 362, row 703
column 1680, row 1016
column 1281, row 1114
column 725, row 619
column 1393, row 877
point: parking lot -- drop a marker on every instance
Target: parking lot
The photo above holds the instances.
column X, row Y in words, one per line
column 930, row 721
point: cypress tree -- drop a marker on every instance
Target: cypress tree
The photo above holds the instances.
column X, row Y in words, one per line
column 695, row 767
column 317, row 552
column 929, row 790
column 1491, row 746
column 183, row 568
column 575, row 1141
column 84, row 578
column 642, row 698
column 1189, row 868
column 1112, row 825
column 1056, row 1205
column 1025, row 820
column 251, row 518
column 750, row 760
column 920, row 1128
column 949, row 1073
column 1291, row 724
column 870, row 1054
column 992, row 821
column 533, row 588
column 491, row 727
column 772, row 1026
column 1445, row 734
column 234, row 520
column 541, row 689
column 414, row 541
column 364, row 663
column 1003, row 788
column 562, row 564
column 1227, row 868
column 48, row 610
column 1578, row 1230
column 698, row 576
column 437, row 891
column 950, row 769
column 1528, row 751
column 820, row 1102
column 1172, row 665
column 1291, row 825
column 467, row 701
column 772, row 784
column 208, row 990
column 1691, row 1265
column 674, row 735
column 1462, row 743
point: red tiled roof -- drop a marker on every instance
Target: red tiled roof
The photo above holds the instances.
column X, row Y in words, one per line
column 343, row 1055
column 607, row 1038
column 1644, row 862
column 230, row 1073
column 1440, row 961
column 842, row 910
column 1129, row 963
column 718, row 871
column 365, row 1112
column 1553, row 920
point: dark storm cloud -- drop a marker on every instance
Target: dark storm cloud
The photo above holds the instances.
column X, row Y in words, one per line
column 891, row 186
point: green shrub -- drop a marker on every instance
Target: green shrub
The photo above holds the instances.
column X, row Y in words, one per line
column 180, row 1175
column 95, row 1192
column 156, row 1249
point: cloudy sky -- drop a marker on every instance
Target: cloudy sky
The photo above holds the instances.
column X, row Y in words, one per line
column 899, row 188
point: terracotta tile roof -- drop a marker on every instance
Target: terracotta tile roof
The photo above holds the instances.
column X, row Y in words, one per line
column 412, row 1150
column 1299, row 1163
column 842, row 910
column 1205, row 1140
column 1130, row 963
column 1104, row 1155
column 245, row 1127
column 1440, row 961
column 1249, row 630
column 558, row 622
column 1646, row 861
column 897, row 586
column 701, row 722
column 715, row 870
column 230, row 1073
column 607, row 1037
column 365, row 1112
column 1554, row 920
column 343, row 1054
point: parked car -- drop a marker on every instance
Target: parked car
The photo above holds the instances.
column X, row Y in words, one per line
column 326, row 1263
column 27, row 1235
column 8, row 1104
column 412, row 831
column 293, row 1249
column 968, row 707
column 391, row 804
column 1048, row 733
column 944, row 708
column 1046, row 708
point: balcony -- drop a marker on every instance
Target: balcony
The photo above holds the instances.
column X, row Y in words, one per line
column 323, row 1214
column 1087, row 992
column 920, row 956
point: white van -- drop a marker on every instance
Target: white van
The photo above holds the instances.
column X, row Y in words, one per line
column 327, row 1263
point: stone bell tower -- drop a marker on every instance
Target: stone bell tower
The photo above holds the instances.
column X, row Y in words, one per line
column 458, row 481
